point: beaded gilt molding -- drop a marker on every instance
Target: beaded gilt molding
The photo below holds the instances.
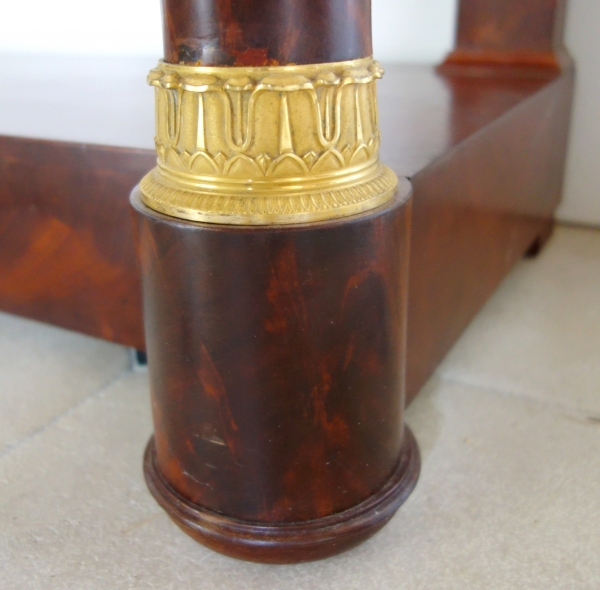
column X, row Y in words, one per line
column 273, row 145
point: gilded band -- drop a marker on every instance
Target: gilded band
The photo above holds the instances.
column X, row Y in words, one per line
column 259, row 146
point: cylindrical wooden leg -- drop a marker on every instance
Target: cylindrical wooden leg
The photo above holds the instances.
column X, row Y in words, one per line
column 276, row 358
column 274, row 246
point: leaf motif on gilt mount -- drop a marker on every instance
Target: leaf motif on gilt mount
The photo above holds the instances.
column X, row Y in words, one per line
column 305, row 136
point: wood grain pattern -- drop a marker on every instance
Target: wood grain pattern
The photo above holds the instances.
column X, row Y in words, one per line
column 276, row 365
column 66, row 249
column 266, row 32
column 525, row 33
column 478, row 210
column 485, row 156
column 278, row 354
column 291, row 542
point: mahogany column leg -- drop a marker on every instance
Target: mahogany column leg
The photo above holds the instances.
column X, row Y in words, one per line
column 525, row 35
column 274, row 248
column 275, row 357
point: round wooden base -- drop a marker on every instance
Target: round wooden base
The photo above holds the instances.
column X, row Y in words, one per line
column 293, row 542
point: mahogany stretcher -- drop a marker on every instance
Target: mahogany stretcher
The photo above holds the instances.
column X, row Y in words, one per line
column 484, row 150
column 275, row 298
column 485, row 155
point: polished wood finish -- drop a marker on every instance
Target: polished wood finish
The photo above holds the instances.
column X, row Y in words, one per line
column 524, row 33
column 478, row 210
column 485, row 156
column 66, row 249
column 291, row 542
column 231, row 313
column 277, row 375
column 266, row 32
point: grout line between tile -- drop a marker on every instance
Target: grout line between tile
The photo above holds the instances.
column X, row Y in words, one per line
column 586, row 414
column 13, row 447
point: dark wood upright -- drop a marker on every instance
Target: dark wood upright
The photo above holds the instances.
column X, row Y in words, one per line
column 276, row 362
column 266, row 32
column 499, row 131
column 276, row 350
column 521, row 34
column 483, row 141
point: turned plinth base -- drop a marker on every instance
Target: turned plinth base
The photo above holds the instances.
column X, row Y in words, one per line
column 293, row 542
column 276, row 357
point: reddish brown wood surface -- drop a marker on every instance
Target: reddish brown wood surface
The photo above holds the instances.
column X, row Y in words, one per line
column 485, row 155
column 523, row 33
column 266, row 32
column 477, row 211
column 288, row 542
column 276, row 363
column 66, row 247
column 272, row 352
column 307, row 337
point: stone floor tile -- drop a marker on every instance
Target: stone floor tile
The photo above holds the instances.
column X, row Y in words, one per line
column 45, row 370
column 539, row 335
column 508, row 498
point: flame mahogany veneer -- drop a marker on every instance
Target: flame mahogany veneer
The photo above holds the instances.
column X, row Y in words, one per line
column 266, row 32
column 277, row 352
column 485, row 157
column 275, row 357
column 483, row 143
column 527, row 33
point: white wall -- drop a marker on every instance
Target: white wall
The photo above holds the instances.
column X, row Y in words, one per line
column 107, row 27
column 404, row 30
column 413, row 30
column 581, row 202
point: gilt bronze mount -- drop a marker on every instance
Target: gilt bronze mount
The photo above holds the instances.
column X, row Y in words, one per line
column 267, row 145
